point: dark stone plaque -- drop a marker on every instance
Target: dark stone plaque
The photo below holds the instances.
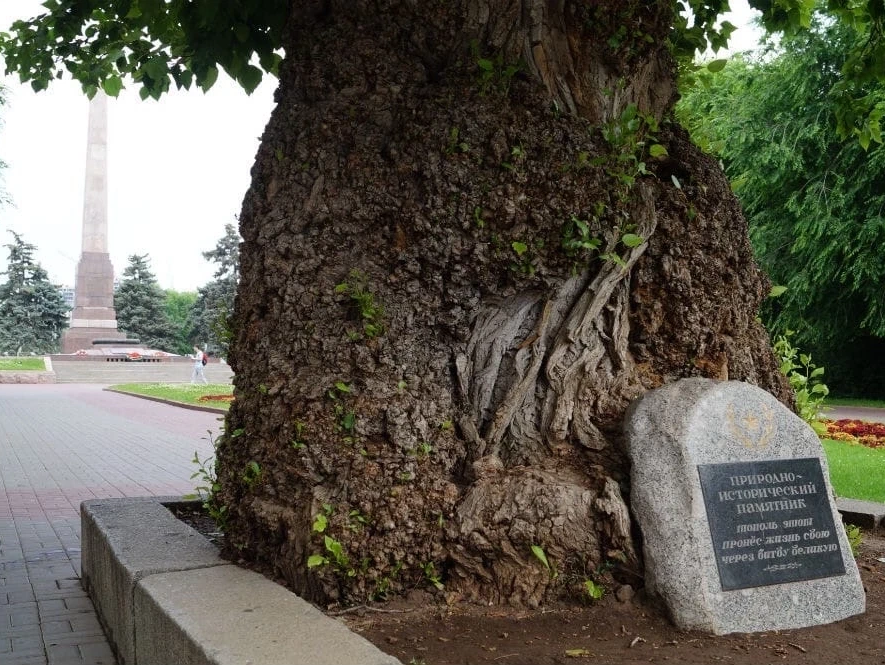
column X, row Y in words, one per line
column 771, row 522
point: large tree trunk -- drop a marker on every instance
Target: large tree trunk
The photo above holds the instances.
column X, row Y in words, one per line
column 421, row 358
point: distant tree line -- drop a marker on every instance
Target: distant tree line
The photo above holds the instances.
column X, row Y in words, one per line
column 33, row 313
column 176, row 321
column 815, row 200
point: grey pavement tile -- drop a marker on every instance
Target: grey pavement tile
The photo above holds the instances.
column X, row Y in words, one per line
column 78, row 603
column 52, row 607
column 54, row 628
column 16, row 616
column 85, row 623
column 16, row 580
column 27, row 644
column 11, row 567
column 88, row 450
column 29, row 660
column 11, row 555
column 17, row 595
column 52, row 572
column 49, row 594
column 74, row 638
column 64, row 654
column 23, row 632
column 97, row 653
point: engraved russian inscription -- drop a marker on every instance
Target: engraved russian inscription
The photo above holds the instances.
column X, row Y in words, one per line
column 770, row 522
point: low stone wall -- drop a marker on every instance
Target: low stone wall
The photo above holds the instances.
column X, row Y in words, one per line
column 9, row 376
column 165, row 597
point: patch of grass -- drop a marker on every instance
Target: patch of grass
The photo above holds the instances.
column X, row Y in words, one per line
column 854, row 401
column 22, row 364
column 857, row 472
column 181, row 392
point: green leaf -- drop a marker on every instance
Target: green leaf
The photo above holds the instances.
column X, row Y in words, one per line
column 593, row 590
column 250, row 77
column 112, row 85
column 336, row 550
column 657, row 150
column 631, row 240
column 577, row 653
column 242, row 32
column 156, row 68
column 342, row 387
column 485, row 65
column 777, row 291
column 717, row 65
column 320, row 523
column 538, row 551
column 315, row 560
column 185, row 79
column 519, row 247
column 207, row 80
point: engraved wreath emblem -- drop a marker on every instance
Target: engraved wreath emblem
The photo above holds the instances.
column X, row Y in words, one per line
column 753, row 430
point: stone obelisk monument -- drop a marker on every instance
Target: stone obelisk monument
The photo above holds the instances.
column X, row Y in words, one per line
column 94, row 316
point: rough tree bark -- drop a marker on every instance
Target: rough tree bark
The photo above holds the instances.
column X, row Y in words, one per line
column 432, row 360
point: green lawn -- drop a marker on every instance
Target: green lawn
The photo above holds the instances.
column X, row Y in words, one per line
column 19, row 364
column 180, row 392
column 854, row 401
column 857, row 472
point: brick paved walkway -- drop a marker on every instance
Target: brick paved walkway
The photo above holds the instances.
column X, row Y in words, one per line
column 59, row 445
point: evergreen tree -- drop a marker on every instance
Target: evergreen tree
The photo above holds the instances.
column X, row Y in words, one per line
column 179, row 305
column 4, row 197
column 33, row 312
column 141, row 306
column 215, row 301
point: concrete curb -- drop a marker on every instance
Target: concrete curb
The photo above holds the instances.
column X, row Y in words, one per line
column 151, row 398
column 865, row 514
column 165, row 597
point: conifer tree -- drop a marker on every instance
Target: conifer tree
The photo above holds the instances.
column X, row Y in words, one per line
column 215, row 300
column 141, row 306
column 33, row 312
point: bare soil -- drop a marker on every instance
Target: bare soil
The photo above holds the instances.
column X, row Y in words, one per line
column 426, row 630
column 436, row 629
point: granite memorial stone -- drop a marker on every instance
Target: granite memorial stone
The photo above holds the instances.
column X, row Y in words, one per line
column 732, row 494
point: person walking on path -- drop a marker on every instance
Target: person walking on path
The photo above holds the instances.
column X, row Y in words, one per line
column 199, row 362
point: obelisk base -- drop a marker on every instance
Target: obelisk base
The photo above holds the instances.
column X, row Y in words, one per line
column 76, row 339
column 94, row 316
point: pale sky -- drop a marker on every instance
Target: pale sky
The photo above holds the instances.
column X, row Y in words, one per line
column 178, row 168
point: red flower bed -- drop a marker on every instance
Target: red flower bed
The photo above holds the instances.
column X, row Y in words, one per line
column 871, row 435
column 216, row 398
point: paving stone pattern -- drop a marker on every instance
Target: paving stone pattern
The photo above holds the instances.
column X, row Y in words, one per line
column 59, row 445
